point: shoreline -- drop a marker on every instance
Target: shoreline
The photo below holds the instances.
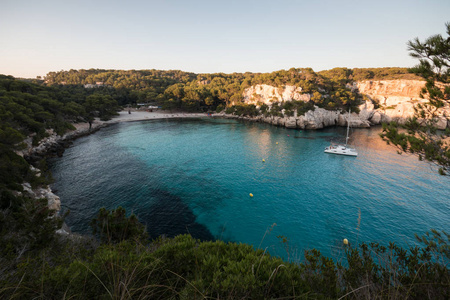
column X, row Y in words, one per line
column 137, row 115
column 55, row 145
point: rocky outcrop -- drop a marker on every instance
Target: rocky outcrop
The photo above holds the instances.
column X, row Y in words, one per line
column 396, row 98
column 387, row 100
column 267, row 94
column 52, row 145
column 386, row 88
column 54, row 202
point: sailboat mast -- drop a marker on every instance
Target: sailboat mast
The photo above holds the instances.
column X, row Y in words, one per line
column 348, row 126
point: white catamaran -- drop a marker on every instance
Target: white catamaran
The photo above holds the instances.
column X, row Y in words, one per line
column 343, row 149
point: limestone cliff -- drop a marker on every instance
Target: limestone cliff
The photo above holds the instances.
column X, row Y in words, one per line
column 267, row 94
column 396, row 98
column 387, row 100
column 387, row 88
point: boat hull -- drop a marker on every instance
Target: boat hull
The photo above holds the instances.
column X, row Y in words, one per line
column 341, row 150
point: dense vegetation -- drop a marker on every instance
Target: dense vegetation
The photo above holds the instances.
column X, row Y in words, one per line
column 36, row 109
column 119, row 261
column 177, row 90
column 127, row 266
column 30, row 110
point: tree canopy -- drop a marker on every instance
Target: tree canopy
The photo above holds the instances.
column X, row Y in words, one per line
column 35, row 262
column 178, row 90
column 420, row 135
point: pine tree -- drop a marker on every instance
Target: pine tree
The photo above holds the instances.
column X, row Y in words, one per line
column 419, row 135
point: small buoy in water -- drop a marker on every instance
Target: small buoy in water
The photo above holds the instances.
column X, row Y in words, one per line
column 277, row 143
column 345, row 242
column 251, row 195
column 288, row 134
column 264, row 160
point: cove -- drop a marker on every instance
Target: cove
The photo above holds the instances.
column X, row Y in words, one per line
column 195, row 176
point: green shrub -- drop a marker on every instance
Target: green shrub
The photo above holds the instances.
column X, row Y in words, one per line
column 184, row 267
column 264, row 108
column 375, row 271
column 304, row 107
column 246, row 110
column 114, row 226
column 219, row 108
column 230, row 110
column 289, row 113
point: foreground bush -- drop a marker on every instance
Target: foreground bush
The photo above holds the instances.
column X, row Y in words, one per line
column 186, row 268
column 125, row 265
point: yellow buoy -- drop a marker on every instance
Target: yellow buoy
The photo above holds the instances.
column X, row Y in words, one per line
column 277, row 143
column 264, row 160
column 251, row 195
column 345, row 242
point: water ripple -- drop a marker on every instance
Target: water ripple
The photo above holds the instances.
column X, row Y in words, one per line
column 196, row 175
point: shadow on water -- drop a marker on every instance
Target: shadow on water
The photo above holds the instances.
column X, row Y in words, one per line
column 184, row 177
column 170, row 216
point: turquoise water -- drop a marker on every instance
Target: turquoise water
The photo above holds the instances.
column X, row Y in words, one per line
column 195, row 176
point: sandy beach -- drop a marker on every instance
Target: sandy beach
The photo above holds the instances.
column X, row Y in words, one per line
column 137, row 115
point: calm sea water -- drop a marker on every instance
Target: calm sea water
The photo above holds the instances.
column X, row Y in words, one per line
column 195, row 176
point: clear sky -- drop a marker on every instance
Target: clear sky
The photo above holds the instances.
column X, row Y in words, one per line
column 39, row 36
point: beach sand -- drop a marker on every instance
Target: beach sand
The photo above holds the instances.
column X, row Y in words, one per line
column 137, row 115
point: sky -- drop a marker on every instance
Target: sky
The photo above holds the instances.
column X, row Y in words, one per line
column 40, row 36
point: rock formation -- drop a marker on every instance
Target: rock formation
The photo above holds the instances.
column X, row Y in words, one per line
column 263, row 93
column 52, row 145
column 54, row 202
column 387, row 100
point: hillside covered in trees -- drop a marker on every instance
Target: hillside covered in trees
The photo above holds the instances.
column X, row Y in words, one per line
column 31, row 110
column 119, row 261
column 178, row 90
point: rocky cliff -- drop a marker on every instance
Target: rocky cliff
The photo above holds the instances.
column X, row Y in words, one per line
column 386, row 100
column 51, row 146
column 267, row 94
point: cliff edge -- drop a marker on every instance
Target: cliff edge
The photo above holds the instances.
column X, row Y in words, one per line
column 385, row 100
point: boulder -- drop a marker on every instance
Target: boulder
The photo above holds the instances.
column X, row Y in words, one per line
column 376, row 118
column 441, row 123
column 290, row 122
column 301, row 122
column 357, row 123
column 267, row 120
column 27, row 188
column 281, row 121
column 342, row 120
column 54, row 202
column 366, row 110
column 385, row 118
